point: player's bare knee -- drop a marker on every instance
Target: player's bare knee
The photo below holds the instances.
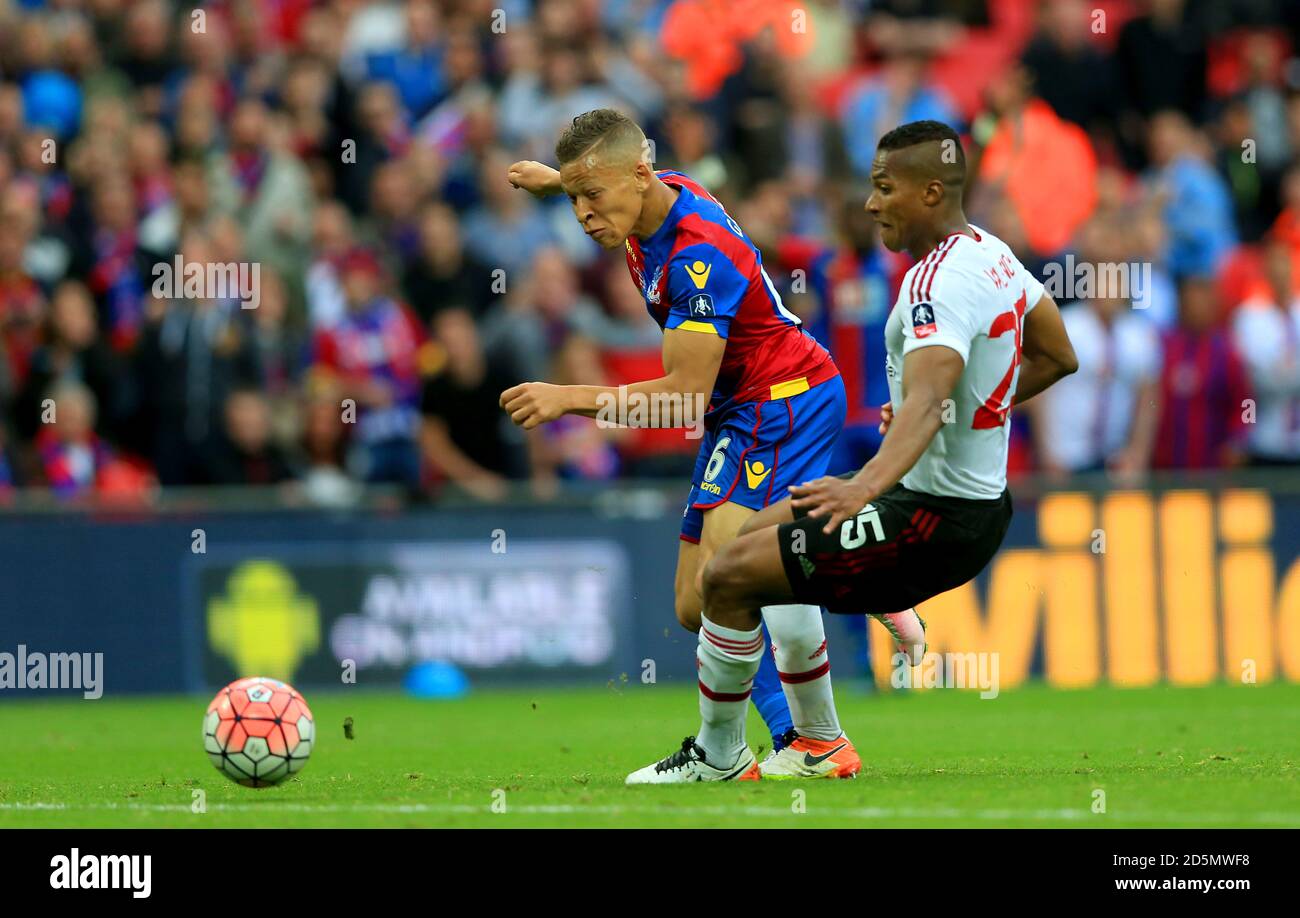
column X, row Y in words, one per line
column 728, row 594
column 724, row 577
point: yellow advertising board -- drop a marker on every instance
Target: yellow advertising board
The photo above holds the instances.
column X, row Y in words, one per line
column 1131, row 588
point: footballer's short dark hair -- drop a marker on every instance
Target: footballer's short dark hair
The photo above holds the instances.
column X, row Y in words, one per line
column 918, row 132
column 601, row 126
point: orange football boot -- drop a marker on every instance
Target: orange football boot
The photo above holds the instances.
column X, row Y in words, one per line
column 803, row 757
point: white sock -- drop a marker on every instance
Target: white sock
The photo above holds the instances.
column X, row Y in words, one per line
column 727, row 660
column 802, row 660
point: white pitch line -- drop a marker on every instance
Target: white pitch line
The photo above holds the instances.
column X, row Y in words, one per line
column 866, row 813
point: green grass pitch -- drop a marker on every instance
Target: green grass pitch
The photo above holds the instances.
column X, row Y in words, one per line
column 1216, row 756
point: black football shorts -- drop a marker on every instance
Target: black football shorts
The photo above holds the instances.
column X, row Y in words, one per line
column 903, row 548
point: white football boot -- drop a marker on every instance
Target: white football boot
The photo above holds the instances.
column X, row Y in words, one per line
column 908, row 630
column 688, row 765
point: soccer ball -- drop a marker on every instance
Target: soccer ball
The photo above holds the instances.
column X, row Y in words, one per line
column 258, row 731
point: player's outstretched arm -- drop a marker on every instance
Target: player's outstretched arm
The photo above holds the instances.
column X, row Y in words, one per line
column 929, row 376
column 1046, row 354
column 538, row 179
column 678, row 398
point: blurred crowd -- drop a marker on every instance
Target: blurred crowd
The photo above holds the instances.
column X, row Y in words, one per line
column 355, row 153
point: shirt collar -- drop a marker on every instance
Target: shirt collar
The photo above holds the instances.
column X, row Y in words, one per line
column 675, row 213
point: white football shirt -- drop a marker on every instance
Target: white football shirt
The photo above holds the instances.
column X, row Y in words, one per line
column 970, row 294
column 1268, row 339
column 1088, row 417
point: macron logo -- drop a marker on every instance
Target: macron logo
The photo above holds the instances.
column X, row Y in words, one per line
column 102, row 871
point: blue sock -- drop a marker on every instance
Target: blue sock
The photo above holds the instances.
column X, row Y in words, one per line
column 769, row 697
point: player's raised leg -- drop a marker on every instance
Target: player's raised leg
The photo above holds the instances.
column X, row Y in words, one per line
column 908, row 631
column 906, row 627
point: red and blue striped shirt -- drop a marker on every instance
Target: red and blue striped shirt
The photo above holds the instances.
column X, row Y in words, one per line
column 699, row 271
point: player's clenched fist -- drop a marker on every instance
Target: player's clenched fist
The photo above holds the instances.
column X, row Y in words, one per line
column 886, row 417
column 533, row 403
column 536, row 178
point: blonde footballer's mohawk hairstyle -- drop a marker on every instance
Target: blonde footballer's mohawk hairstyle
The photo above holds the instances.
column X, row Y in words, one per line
column 610, row 134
